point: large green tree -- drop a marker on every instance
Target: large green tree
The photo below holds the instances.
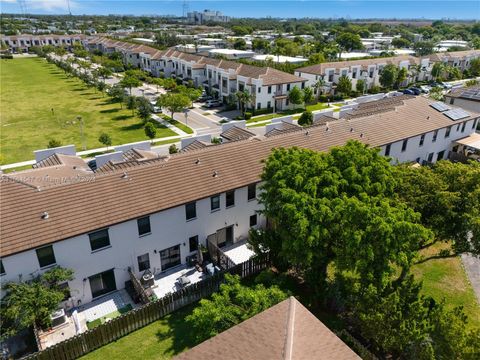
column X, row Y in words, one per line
column 388, row 77
column 173, row 102
column 447, row 196
column 233, row 304
column 31, row 303
column 337, row 208
column 130, row 82
column 344, row 85
column 295, row 96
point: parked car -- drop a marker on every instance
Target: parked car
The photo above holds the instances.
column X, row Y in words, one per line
column 204, row 98
column 408, row 92
column 446, row 86
column 417, row 91
column 156, row 109
column 425, row 89
column 213, row 103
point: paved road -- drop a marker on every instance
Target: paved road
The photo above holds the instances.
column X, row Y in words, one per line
column 472, row 268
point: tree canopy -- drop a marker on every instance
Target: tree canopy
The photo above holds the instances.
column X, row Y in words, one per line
column 233, row 304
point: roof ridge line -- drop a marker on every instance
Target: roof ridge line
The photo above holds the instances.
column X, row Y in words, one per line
column 290, row 329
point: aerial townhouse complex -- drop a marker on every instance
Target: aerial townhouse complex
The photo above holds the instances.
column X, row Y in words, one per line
column 222, row 78
column 23, row 43
column 369, row 70
column 151, row 213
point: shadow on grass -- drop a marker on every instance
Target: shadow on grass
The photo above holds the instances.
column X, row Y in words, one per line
column 109, row 111
column 94, row 98
column 78, row 89
column 122, row 117
column 182, row 335
column 136, row 126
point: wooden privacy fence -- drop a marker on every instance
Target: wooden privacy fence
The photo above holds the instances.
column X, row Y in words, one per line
column 116, row 328
column 219, row 258
column 137, row 286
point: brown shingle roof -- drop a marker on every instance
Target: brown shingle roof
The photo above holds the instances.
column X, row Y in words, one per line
column 237, row 164
column 235, row 134
column 285, row 331
column 195, row 145
column 281, row 128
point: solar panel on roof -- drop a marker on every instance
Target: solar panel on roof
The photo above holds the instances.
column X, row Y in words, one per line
column 440, row 106
column 456, row 114
column 471, row 94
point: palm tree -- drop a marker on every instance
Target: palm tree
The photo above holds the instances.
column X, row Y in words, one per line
column 244, row 98
column 318, row 86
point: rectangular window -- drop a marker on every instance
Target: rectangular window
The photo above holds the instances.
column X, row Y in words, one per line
column 404, row 145
column 269, row 104
column 102, row 283
column 288, row 87
column 259, row 106
column 253, row 220
column 191, row 211
column 143, row 225
column 215, row 202
column 422, row 139
column 252, row 191
column 230, row 198
column 170, row 257
column 458, row 127
column 2, row 269
column 447, row 131
column 440, row 155
column 269, row 89
column 193, row 243
column 463, row 126
column 387, row 150
column 143, row 262
column 99, row 239
column 259, row 90
column 435, row 134
column 474, row 124
column 65, row 289
column 303, row 85
column 46, row 256
column 430, row 157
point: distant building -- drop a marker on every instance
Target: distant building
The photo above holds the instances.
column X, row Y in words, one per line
column 197, row 17
column 280, row 58
column 231, row 54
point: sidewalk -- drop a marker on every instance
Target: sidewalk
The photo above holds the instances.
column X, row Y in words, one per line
column 171, row 127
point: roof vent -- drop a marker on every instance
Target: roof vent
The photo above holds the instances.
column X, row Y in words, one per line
column 125, row 175
column 215, row 173
column 361, row 135
column 428, row 117
column 351, row 129
column 327, row 128
column 44, row 215
column 197, row 161
column 307, row 133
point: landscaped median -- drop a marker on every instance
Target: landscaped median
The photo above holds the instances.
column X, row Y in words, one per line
column 295, row 112
column 178, row 124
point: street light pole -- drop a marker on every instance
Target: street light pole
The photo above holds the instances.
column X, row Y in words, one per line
column 185, row 112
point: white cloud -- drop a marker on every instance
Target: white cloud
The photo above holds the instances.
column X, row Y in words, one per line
column 9, row 1
column 46, row 5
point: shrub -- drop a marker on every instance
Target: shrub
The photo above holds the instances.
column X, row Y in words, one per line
column 374, row 89
column 173, row 149
column 248, row 115
column 323, row 98
column 306, row 118
column 53, row 143
column 263, row 111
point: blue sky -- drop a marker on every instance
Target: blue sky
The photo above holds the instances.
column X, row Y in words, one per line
column 469, row 9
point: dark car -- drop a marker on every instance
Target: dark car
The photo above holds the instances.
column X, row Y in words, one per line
column 417, row 91
column 204, row 98
column 408, row 92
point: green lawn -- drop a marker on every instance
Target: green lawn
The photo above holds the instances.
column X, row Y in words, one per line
column 31, row 87
column 179, row 125
column 445, row 278
column 112, row 315
column 160, row 340
column 317, row 106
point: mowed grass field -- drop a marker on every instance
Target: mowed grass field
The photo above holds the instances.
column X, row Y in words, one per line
column 31, row 87
column 445, row 279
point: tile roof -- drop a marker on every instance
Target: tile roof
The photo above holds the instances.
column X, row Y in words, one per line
column 319, row 69
column 282, row 128
column 468, row 93
column 237, row 164
column 195, row 145
column 283, row 332
column 235, row 134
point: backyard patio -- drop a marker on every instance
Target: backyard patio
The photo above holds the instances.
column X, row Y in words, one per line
column 169, row 281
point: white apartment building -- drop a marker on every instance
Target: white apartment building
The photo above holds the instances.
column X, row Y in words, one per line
column 153, row 214
column 369, row 70
column 23, row 43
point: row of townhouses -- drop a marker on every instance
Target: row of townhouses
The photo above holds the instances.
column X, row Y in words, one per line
column 222, row 78
column 24, row 43
column 269, row 86
column 369, row 70
column 153, row 212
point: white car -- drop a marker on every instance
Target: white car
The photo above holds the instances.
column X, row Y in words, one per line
column 213, row 103
column 425, row 88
